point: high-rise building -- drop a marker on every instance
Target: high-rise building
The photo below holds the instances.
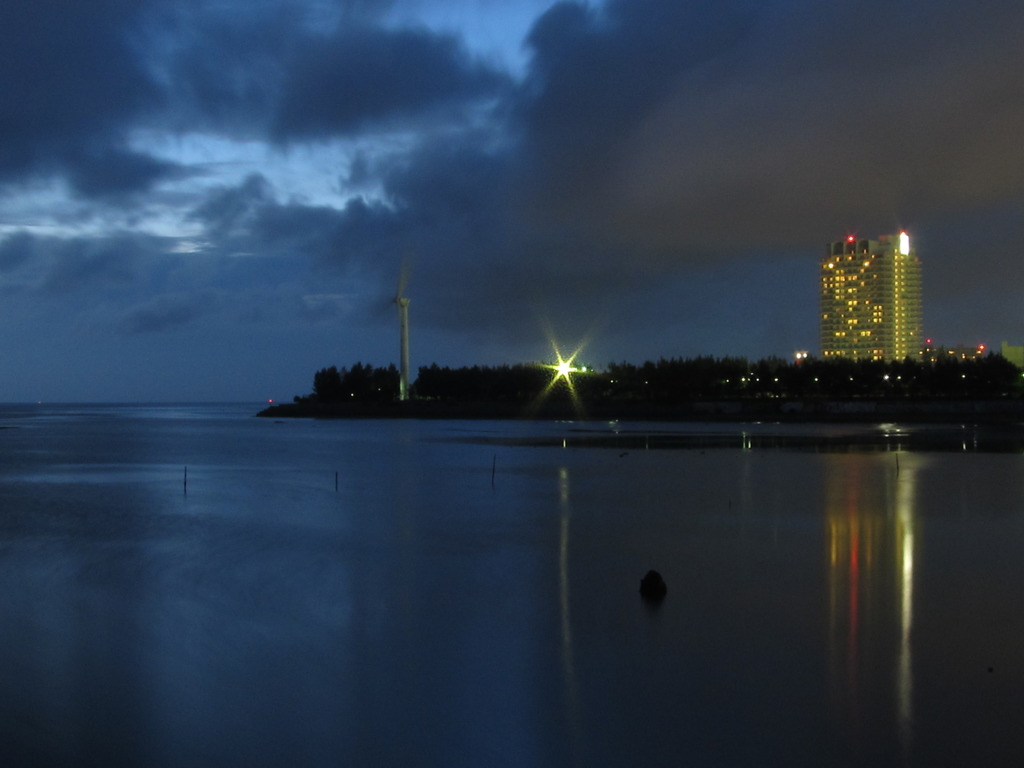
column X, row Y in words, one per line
column 871, row 299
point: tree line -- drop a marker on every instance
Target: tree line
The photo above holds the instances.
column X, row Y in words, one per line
column 679, row 380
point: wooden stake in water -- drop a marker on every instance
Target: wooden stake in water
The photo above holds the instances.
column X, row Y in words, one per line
column 184, row 484
column 335, row 482
column 494, row 466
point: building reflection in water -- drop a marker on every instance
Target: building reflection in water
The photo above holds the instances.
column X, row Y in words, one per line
column 871, row 526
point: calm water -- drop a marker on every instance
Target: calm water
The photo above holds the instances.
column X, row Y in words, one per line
column 446, row 593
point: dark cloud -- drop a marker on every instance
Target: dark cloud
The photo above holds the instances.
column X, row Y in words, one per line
column 299, row 72
column 69, row 79
column 114, row 173
column 371, row 76
column 734, row 123
column 168, row 312
column 129, row 283
column 625, row 55
column 77, row 80
column 457, row 187
column 85, row 269
column 481, row 269
column 361, row 233
column 658, row 171
column 230, row 211
column 221, row 70
column 82, row 264
column 646, row 137
column 306, row 232
column 652, row 138
column 597, row 71
column 49, row 265
column 360, row 173
column 16, row 250
column 249, row 219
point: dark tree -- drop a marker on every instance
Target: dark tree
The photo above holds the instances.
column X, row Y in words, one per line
column 679, row 381
column 327, row 385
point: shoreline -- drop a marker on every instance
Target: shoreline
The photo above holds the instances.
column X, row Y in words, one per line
column 994, row 412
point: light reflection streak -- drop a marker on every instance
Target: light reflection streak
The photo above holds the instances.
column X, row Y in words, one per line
column 905, row 494
column 572, row 701
column 870, row 547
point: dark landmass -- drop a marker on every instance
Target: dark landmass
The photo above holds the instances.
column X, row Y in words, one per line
column 983, row 390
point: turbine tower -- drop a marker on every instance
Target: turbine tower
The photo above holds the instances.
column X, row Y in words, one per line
column 403, row 326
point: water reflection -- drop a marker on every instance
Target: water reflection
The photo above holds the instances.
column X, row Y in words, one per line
column 419, row 615
column 572, row 705
column 871, row 530
column 905, row 521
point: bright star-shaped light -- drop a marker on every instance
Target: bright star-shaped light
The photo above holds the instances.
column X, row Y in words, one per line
column 563, row 374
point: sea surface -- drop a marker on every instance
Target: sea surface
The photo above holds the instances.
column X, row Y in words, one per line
column 188, row 585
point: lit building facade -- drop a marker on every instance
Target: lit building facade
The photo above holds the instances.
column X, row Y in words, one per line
column 1014, row 354
column 871, row 299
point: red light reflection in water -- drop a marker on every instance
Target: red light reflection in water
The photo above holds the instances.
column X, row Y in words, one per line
column 869, row 508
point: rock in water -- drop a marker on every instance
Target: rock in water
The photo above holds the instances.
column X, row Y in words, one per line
column 652, row 586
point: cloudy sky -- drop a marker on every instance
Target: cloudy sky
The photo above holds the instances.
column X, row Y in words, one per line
column 211, row 199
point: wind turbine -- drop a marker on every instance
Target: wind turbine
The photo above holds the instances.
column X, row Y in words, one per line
column 402, row 303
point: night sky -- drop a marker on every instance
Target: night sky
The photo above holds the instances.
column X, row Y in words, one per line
column 209, row 200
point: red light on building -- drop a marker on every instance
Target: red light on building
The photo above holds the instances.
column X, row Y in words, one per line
column 850, row 238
